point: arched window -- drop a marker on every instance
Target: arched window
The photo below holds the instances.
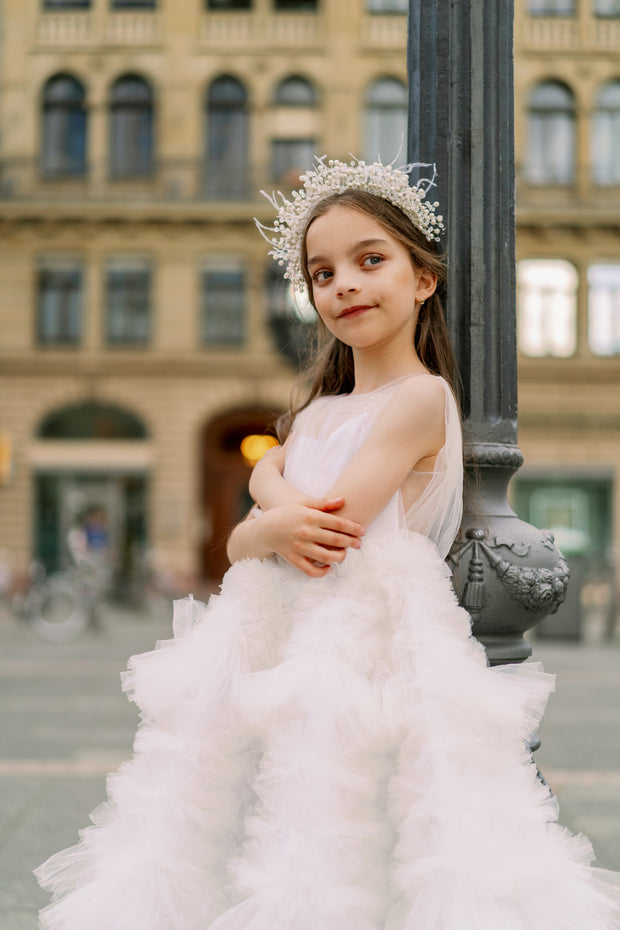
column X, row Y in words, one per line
column 63, row 136
column 92, row 420
column 227, row 139
column 547, row 307
column 386, row 120
column 295, row 91
column 605, row 139
column 293, row 152
column 551, row 134
column 131, row 127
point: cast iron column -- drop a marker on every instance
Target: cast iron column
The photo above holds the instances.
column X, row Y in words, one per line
column 461, row 117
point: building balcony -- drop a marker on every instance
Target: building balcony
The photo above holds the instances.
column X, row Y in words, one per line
column 176, row 188
column 85, row 29
column 238, row 31
column 256, row 31
column 586, row 34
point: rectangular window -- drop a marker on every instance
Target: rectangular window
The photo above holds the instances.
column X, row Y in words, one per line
column 547, row 307
column 59, row 301
column 223, row 306
column 290, row 157
column 128, row 299
column 604, row 309
column 552, row 7
column 387, row 6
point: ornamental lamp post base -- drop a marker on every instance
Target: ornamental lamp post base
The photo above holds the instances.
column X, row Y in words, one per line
column 507, row 574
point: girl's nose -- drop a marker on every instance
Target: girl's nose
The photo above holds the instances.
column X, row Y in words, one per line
column 346, row 287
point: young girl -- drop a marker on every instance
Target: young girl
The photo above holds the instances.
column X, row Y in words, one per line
column 323, row 746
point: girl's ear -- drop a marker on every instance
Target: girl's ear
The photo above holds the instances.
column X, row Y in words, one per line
column 427, row 284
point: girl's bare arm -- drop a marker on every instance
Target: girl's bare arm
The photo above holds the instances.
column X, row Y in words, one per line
column 309, row 536
column 411, row 427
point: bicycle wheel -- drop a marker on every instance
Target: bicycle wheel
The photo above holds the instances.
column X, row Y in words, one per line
column 55, row 611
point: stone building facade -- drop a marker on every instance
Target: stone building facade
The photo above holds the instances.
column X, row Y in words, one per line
column 144, row 331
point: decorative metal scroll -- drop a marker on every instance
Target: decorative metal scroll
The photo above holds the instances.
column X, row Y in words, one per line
column 533, row 588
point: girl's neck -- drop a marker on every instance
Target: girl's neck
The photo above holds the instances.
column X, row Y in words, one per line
column 373, row 371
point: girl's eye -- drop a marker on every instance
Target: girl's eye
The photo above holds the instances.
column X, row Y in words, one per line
column 372, row 260
column 320, row 276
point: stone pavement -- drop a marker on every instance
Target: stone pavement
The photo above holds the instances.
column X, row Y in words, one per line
column 65, row 723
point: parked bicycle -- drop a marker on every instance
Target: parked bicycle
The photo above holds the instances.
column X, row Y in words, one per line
column 60, row 606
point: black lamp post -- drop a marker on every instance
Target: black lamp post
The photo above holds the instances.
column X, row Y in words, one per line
column 461, row 116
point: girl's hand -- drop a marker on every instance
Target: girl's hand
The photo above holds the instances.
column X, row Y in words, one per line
column 309, row 535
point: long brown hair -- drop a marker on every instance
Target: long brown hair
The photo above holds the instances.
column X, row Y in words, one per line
column 331, row 369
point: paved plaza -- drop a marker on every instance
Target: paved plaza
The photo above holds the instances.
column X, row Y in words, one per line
column 65, row 723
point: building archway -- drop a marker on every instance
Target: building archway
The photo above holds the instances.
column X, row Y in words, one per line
column 225, row 475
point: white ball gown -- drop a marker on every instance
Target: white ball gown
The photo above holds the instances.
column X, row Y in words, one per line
column 334, row 753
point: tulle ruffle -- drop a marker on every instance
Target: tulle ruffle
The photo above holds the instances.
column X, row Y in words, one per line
column 330, row 754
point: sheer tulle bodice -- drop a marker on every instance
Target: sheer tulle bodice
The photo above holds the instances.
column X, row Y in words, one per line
column 328, row 433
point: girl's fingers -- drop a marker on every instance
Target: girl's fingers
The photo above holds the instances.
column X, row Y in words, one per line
column 338, row 540
column 328, row 504
column 319, row 553
column 342, row 526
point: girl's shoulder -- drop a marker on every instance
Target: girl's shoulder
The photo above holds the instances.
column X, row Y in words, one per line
column 410, row 392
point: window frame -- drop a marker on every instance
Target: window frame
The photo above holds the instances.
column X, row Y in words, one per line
column 221, row 338
column 605, row 119
column 226, row 131
column 550, row 11
column 63, row 129
column 55, row 6
column 127, row 164
column 386, row 7
column 69, row 270
column 134, row 267
column 615, row 308
column 549, row 326
column 543, row 122
column 378, row 111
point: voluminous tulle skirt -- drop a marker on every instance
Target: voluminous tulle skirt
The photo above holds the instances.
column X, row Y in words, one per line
column 330, row 754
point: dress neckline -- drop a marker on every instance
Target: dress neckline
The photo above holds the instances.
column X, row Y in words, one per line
column 388, row 384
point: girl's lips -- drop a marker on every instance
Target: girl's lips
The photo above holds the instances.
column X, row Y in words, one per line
column 355, row 311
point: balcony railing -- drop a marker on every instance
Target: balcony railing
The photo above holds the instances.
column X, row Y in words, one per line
column 239, row 31
column 88, row 28
column 256, row 29
column 587, row 34
column 388, row 31
column 173, row 181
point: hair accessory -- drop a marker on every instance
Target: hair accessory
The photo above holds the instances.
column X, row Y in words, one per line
column 336, row 177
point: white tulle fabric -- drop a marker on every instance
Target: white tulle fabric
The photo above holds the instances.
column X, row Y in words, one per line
column 332, row 754
column 328, row 433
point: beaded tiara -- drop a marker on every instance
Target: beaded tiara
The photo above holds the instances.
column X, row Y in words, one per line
column 335, row 177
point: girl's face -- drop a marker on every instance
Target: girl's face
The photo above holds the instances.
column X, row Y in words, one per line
column 365, row 286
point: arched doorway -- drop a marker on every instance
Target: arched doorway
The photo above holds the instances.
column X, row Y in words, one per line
column 225, row 476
